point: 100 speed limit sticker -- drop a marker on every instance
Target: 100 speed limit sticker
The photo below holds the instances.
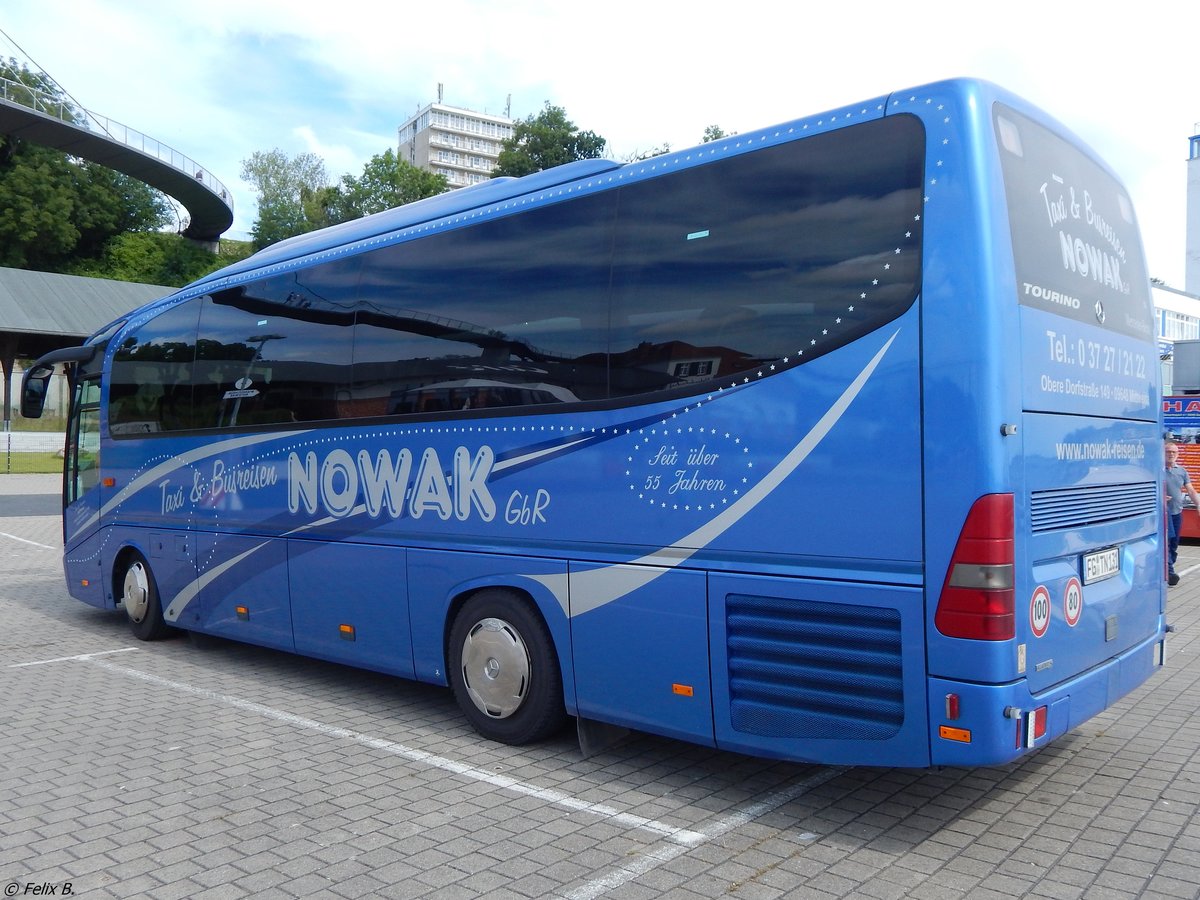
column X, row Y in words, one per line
column 1039, row 606
column 1039, row 611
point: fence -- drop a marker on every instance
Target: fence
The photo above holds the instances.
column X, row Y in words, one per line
column 31, row 452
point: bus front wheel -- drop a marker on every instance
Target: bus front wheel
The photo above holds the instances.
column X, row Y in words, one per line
column 503, row 669
column 139, row 597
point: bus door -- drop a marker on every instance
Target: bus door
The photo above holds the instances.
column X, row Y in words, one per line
column 244, row 588
column 81, row 491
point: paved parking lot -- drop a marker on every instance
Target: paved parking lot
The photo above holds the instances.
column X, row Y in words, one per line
column 175, row 770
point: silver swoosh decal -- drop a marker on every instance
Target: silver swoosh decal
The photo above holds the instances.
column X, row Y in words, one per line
column 594, row 588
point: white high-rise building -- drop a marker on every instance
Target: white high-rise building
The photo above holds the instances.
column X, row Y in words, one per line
column 457, row 143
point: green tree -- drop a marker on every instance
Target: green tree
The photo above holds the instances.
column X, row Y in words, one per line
column 387, row 181
column 110, row 204
column 291, row 194
column 321, row 207
column 714, row 133
column 36, row 203
column 55, row 210
column 152, row 258
column 544, row 141
column 62, row 214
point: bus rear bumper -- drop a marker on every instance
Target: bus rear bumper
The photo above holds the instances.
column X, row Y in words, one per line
column 983, row 725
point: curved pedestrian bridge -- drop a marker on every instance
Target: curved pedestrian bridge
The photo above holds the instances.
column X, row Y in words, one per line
column 46, row 120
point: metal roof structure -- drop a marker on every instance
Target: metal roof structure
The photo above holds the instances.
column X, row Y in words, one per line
column 40, row 312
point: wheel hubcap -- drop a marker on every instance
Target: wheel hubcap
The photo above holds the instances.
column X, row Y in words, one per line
column 136, row 594
column 495, row 668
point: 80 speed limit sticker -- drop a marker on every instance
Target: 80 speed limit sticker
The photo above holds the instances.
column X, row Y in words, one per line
column 1039, row 611
column 1073, row 601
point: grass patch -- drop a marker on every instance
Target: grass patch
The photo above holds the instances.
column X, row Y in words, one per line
column 30, row 464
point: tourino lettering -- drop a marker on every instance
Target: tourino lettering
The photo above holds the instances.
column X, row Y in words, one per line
column 1036, row 290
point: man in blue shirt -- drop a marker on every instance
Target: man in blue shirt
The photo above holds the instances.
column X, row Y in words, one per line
column 1175, row 484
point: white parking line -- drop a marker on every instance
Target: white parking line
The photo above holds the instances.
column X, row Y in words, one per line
column 655, row 857
column 23, row 541
column 81, row 656
column 679, row 836
column 681, row 840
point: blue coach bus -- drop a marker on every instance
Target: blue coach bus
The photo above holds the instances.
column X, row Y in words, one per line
column 836, row 441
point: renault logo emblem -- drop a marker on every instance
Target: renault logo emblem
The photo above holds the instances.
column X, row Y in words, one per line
column 1099, row 312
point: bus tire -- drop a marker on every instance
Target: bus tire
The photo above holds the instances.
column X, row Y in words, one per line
column 503, row 669
column 139, row 597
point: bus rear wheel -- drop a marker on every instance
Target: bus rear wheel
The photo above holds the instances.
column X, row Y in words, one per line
column 503, row 669
column 139, row 597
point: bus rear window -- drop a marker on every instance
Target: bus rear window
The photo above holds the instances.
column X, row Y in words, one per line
column 1074, row 235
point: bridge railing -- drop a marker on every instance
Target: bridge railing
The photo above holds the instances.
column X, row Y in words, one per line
column 54, row 107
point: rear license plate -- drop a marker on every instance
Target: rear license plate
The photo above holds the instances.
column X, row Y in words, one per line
column 1101, row 564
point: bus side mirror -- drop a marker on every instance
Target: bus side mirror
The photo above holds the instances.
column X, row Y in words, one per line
column 33, row 390
column 35, row 384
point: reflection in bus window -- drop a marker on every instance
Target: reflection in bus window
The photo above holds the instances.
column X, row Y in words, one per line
column 276, row 351
column 474, row 393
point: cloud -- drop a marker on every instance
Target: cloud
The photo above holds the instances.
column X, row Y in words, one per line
column 221, row 80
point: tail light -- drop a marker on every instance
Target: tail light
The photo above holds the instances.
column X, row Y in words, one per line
column 1035, row 726
column 977, row 596
column 1031, row 725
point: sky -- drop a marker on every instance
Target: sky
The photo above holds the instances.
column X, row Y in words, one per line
column 222, row 79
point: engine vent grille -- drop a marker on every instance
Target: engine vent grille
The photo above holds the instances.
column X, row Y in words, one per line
column 801, row 669
column 1077, row 507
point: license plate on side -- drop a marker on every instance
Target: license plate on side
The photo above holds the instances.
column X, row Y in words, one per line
column 1101, row 564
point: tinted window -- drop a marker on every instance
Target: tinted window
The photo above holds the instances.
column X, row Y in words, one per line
column 151, row 385
column 1074, row 234
column 783, row 253
column 277, row 350
column 786, row 252
column 507, row 313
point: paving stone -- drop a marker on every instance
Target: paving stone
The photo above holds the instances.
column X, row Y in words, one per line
column 169, row 770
